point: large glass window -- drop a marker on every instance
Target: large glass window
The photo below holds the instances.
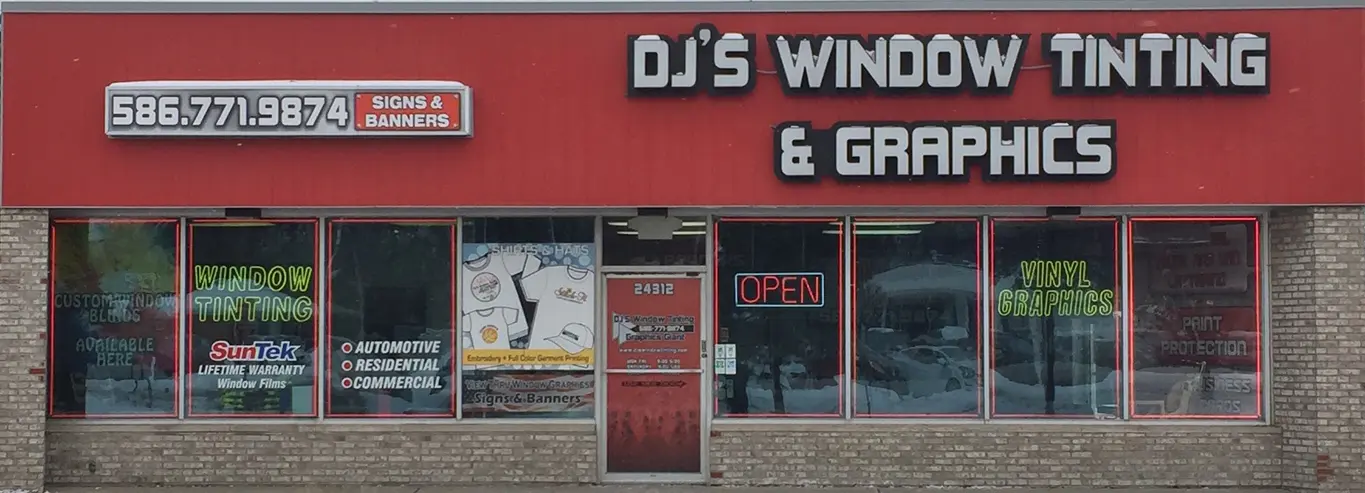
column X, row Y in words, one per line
column 114, row 317
column 389, row 318
column 519, row 298
column 1056, row 333
column 916, row 304
column 1196, row 319
column 252, row 320
column 528, row 304
column 778, row 311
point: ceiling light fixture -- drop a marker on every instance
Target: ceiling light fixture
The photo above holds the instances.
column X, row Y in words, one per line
column 892, row 223
column 686, row 224
column 675, row 233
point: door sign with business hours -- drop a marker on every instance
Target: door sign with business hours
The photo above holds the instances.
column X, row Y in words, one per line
column 287, row 109
column 654, row 323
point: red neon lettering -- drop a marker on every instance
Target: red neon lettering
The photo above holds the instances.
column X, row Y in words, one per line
column 811, row 288
column 770, row 284
column 744, row 293
column 787, row 289
column 779, row 290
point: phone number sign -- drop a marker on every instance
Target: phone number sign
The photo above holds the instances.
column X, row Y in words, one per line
column 287, row 109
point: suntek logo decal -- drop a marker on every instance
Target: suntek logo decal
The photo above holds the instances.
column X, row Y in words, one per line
column 260, row 351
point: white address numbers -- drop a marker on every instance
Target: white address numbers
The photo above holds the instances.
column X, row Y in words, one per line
column 654, row 288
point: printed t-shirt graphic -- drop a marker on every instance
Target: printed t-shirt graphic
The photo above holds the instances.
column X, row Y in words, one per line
column 488, row 328
column 564, row 297
column 488, row 284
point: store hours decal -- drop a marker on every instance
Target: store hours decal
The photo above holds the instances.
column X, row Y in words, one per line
column 725, row 64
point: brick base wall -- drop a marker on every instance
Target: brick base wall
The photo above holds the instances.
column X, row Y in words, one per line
column 1317, row 290
column 284, row 454
column 23, row 347
column 997, row 454
column 835, row 454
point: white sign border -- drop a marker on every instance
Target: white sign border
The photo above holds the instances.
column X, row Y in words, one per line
column 466, row 104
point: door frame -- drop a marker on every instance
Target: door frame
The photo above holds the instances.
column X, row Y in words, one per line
column 705, row 372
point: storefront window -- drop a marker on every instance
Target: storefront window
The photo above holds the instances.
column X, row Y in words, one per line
column 778, row 306
column 252, row 320
column 916, row 304
column 528, row 304
column 390, row 305
column 114, row 312
column 1056, row 309
column 624, row 244
column 1196, row 318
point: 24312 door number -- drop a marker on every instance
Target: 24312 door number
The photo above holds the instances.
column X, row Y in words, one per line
column 654, row 288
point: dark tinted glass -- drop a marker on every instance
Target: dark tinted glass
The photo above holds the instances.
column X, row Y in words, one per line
column 389, row 316
column 778, row 303
column 623, row 245
column 252, row 317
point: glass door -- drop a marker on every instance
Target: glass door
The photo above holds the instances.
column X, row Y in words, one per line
column 653, row 420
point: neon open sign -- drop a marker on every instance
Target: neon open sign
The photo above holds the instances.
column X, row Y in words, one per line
column 780, row 290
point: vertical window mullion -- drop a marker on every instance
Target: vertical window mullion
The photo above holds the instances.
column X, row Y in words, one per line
column 457, row 281
column 987, row 314
column 1262, row 232
column 182, row 318
column 321, row 363
column 848, row 324
column 1125, row 294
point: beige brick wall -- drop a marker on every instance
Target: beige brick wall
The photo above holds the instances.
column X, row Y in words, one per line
column 1317, row 285
column 742, row 454
column 336, row 453
column 996, row 454
column 23, row 347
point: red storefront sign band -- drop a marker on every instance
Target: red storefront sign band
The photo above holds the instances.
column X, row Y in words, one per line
column 525, row 154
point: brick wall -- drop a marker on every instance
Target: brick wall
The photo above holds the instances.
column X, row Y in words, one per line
column 1317, row 288
column 337, row 453
column 997, row 454
column 23, row 347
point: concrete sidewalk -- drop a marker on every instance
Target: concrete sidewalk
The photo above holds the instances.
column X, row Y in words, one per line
column 615, row 489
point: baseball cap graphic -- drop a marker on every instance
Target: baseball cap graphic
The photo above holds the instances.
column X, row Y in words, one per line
column 575, row 338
